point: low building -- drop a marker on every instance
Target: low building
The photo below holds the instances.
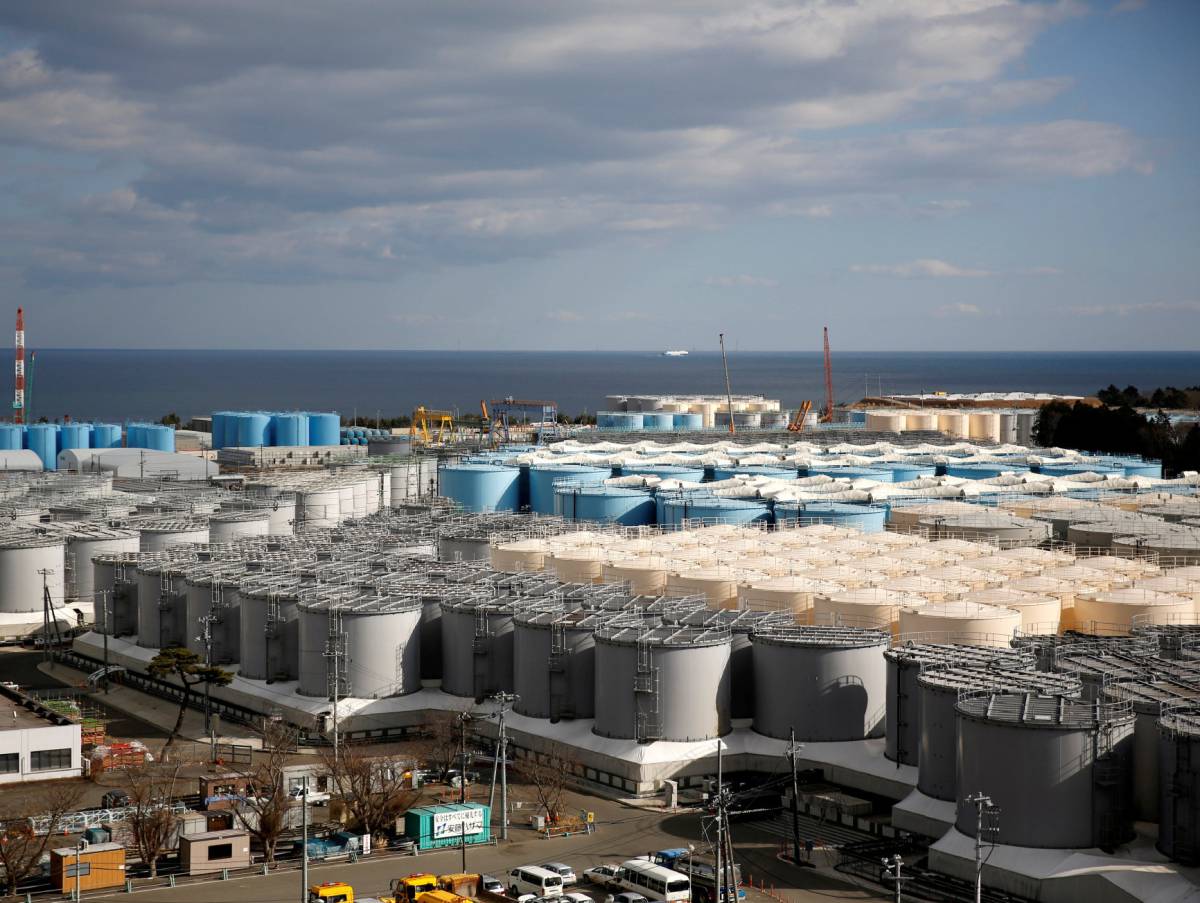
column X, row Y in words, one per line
column 212, row 851
column 36, row 743
column 94, row 866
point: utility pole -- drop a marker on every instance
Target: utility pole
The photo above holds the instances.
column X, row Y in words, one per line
column 46, row 614
column 78, row 855
column 719, row 799
column 506, row 701
column 793, row 749
column 304, row 840
column 728, row 391
column 891, row 868
column 983, row 807
column 463, row 718
column 107, row 627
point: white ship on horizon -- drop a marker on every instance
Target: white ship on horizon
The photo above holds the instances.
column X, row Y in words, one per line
column 674, row 354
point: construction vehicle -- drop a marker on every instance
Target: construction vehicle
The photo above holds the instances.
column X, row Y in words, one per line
column 797, row 424
column 431, row 427
column 462, row 884
column 331, row 892
column 441, row 896
column 827, row 411
column 410, row 887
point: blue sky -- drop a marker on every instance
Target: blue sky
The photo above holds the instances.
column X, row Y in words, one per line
column 916, row 174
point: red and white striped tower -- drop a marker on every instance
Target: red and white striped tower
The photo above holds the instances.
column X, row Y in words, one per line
column 19, row 393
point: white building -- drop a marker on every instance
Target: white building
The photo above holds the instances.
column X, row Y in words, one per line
column 36, row 744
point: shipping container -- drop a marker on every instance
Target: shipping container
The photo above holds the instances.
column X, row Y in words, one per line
column 213, row 851
column 98, row 866
column 447, row 826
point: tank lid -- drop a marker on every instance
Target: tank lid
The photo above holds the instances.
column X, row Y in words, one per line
column 1011, row 680
column 924, row 655
column 1148, row 696
column 775, row 634
column 664, row 635
column 358, row 601
column 173, row 526
column 1040, row 711
column 231, row 517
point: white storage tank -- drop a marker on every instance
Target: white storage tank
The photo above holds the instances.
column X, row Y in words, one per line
column 84, row 543
column 961, row 622
column 318, row 507
column 662, row 683
column 268, row 608
column 225, row 526
column 375, row 637
column 871, row 608
column 22, row 556
column 828, row 683
column 158, row 535
column 984, row 425
column 955, row 424
column 1116, row 610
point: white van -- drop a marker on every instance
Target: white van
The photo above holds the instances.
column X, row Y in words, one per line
column 533, row 879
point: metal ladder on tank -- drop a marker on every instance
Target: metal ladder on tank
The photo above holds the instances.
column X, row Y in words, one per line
column 335, row 654
column 1181, row 791
column 648, row 715
column 1110, row 777
column 559, row 674
column 481, row 648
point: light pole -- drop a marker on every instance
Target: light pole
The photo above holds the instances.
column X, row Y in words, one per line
column 983, row 806
column 792, row 751
column 78, row 855
column 304, row 840
column 506, row 700
column 891, row 868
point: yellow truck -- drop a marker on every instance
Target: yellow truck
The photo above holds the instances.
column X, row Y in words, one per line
column 331, row 892
column 408, row 888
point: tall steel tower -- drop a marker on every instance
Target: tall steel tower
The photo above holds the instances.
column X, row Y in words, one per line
column 19, row 392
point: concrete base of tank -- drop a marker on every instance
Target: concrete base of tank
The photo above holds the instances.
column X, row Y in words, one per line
column 924, row 815
column 620, row 767
column 1136, row 872
column 23, row 623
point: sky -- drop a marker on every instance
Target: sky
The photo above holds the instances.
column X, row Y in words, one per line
column 914, row 174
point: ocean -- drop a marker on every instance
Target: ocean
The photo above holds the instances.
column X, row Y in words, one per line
column 116, row 385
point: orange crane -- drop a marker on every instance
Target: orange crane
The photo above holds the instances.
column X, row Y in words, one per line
column 797, row 424
column 827, row 412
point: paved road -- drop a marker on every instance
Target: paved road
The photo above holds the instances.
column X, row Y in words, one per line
column 621, row 833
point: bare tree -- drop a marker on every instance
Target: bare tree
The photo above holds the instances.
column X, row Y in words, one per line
column 21, row 847
column 151, row 789
column 264, row 812
column 373, row 788
column 442, row 743
column 549, row 773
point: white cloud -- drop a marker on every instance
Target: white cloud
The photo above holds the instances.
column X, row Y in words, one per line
column 926, row 267
column 741, row 280
column 966, row 310
column 1125, row 310
column 564, row 316
column 1041, row 271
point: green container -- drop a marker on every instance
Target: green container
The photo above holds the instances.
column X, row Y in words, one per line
column 445, row 826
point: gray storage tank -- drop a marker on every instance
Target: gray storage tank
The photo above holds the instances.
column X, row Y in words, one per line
column 905, row 662
column 212, row 602
column 829, row 683
column 662, row 683
column 370, row 644
column 741, row 624
column 554, row 661
column 162, row 602
column 477, row 645
column 1149, row 699
column 269, row 626
column 940, row 689
column 1179, row 808
column 1058, row 768
column 115, row 586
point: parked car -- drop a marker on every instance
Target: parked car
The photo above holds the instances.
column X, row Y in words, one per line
column 601, row 875
column 491, row 884
column 114, row 799
column 629, row 897
column 314, row 797
column 577, row 897
column 564, row 871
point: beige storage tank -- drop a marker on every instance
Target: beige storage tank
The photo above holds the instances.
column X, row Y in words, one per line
column 908, row 517
column 1168, row 583
column 923, row 420
column 928, row 588
column 718, row 585
column 966, row 622
column 794, row 594
column 954, row 424
column 1064, row 591
column 984, row 425
column 1104, row 613
column 581, row 565
column 962, row 549
column 1011, row 568
column 872, row 607
column 885, row 421
column 887, row 566
column 1130, row 568
column 1082, row 575
column 1047, row 558
column 520, row 557
column 646, row 576
column 849, row 577
column 972, row 578
column 1039, row 614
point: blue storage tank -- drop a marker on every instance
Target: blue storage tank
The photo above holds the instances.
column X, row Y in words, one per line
column 665, row 472
column 851, row 472
column 658, row 421
column 715, row 509
column 687, row 421
column 758, row 470
column 159, row 437
column 542, row 478
column 42, row 439
column 106, row 435
column 253, row 430
column 984, row 471
column 12, row 436
column 619, row 420
column 840, row 514
column 220, row 422
column 75, row 435
column 323, row 429
column 1138, row 467
column 135, row 435
column 902, row 473
column 290, row 429
column 607, row 504
column 1070, row 470
column 480, row 487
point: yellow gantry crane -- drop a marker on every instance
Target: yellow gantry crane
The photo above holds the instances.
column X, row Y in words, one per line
column 431, row 427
